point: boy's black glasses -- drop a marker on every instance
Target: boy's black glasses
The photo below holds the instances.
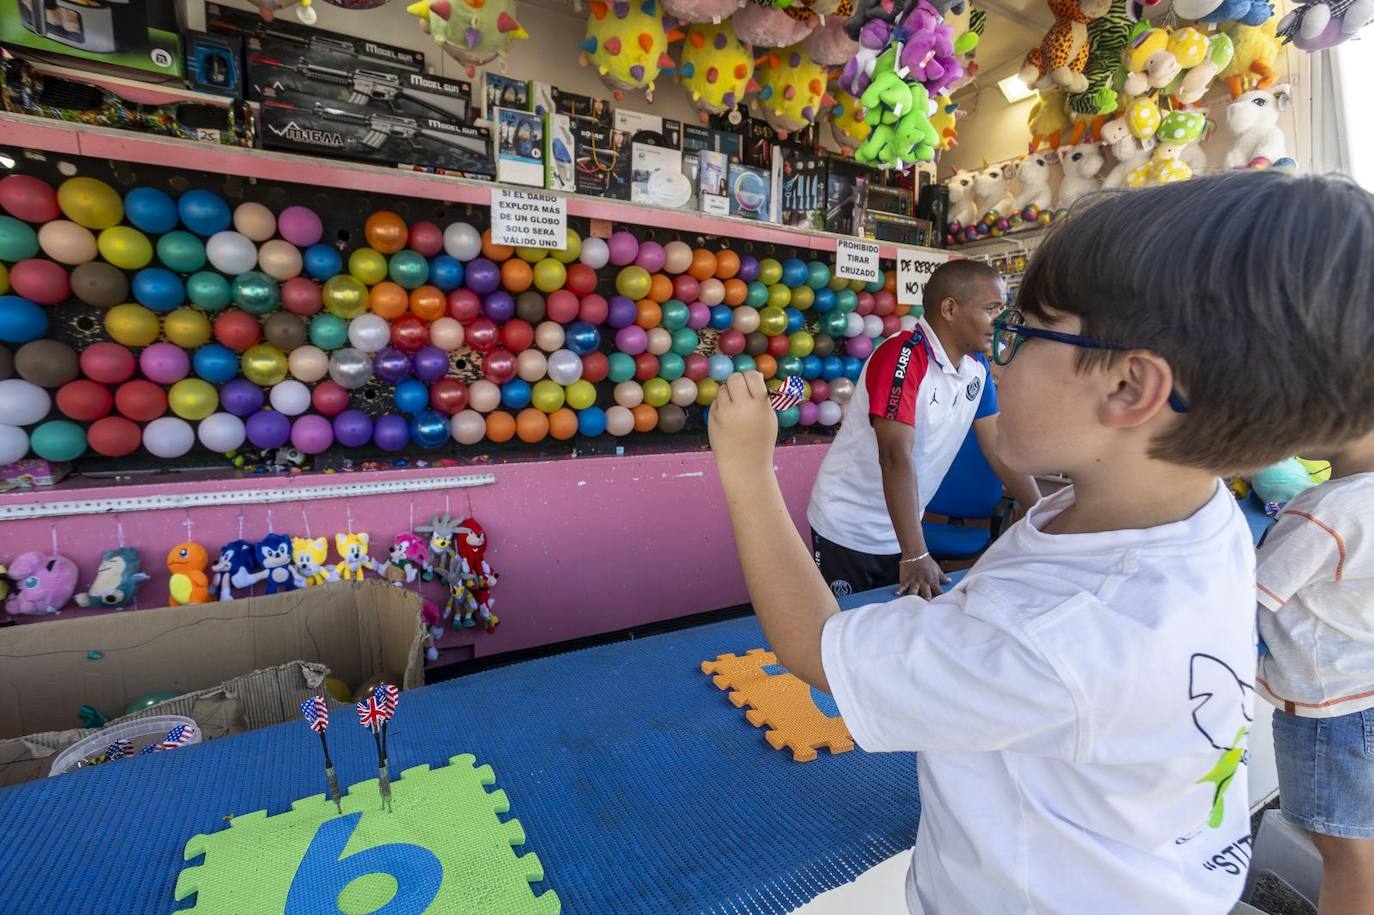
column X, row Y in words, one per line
column 1011, row 331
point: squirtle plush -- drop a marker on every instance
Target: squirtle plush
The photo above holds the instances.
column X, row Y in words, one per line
column 472, row 32
column 628, row 45
column 717, row 67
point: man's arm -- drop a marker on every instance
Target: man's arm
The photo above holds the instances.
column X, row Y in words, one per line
column 1022, row 486
column 901, row 491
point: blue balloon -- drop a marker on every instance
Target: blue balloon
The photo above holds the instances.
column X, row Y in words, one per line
column 582, row 337
column 150, row 210
column 811, row 367
column 21, row 320
column 215, row 363
column 794, row 272
column 322, row 262
column 204, row 212
column 158, row 288
column 445, row 272
column 720, row 367
column 429, row 428
column 721, row 316
column 591, row 421
column 832, row 367
column 852, row 367
column 411, row 397
column 516, row 394
column 795, row 320
column 825, row 300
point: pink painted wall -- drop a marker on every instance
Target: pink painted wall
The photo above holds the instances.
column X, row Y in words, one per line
column 583, row 546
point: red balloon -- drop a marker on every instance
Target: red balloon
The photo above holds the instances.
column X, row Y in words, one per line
column 517, row 335
column 820, row 390
column 777, row 346
column 731, row 342
column 562, row 306
column 84, row 400
column 498, row 366
column 464, row 305
column 139, row 400
column 237, row 330
column 884, row 303
column 329, row 398
column 695, row 366
column 646, row 366
column 866, row 304
column 107, row 363
column 595, row 367
column 686, row 287
column 30, row 199
column 593, row 309
column 426, row 238
column 891, row 324
column 482, row 335
column 448, row 395
column 581, row 280
column 41, row 281
column 114, row 436
column 300, row 295
column 409, row 334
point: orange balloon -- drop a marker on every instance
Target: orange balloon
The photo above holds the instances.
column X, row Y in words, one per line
column 727, row 264
column 562, row 424
column 428, row 303
column 646, row 418
column 660, row 288
column 650, row 315
column 516, row 275
column 703, row 264
column 493, row 251
column 736, row 291
column 766, row 364
column 386, row 231
column 387, row 300
column 902, row 311
column 532, row 425
column 890, row 282
column 500, row 426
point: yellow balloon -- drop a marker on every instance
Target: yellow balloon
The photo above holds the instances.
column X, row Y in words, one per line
column 657, row 392
column 532, row 255
column 338, row 689
column 126, row 248
column 707, row 388
column 263, row 364
column 193, row 398
column 581, row 395
column 367, row 265
column 549, row 275
column 4, row 280
column 547, row 396
column 132, row 325
column 345, row 295
column 569, row 252
column 90, row 202
column 187, row 328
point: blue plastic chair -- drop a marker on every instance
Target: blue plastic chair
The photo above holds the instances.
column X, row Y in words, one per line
column 970, row 491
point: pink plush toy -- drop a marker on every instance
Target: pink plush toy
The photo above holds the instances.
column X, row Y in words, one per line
column 928, row 50
column 686, row 11
column 770, row 27
column 830, row 45
column 43, row 584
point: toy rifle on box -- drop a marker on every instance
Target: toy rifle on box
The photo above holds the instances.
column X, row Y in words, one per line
column 370, row 86
column 383, row 127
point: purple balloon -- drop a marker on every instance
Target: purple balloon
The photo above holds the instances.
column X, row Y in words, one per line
column 623, row 247
column 390, row 364
column 431, row 363
column 391, row 432
column 499, row 306
column 353, row 428
column 631, row 340
column 699, row 315
column 268, row 429
column 810, row 413
column 859, row 347
column 482, row 276
column 312, row 433
column 651, row 256
column 748, row 269
column 621, row 312
column 300, row 226
column 241, row 397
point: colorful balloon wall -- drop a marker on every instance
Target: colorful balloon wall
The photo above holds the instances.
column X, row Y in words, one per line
column 232, row 325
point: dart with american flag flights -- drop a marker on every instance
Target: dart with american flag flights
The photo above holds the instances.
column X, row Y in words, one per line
column 316, row 714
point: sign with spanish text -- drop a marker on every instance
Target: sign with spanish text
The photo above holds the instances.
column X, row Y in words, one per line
column 528, row 219
column 856, row 260
column 913, row 272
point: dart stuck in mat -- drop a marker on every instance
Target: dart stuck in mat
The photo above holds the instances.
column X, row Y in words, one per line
column 441, row 848
column 799, row 717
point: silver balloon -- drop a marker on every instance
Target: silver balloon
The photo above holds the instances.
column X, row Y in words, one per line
column 841, row 389
column 565, row 366
column 352, row 369
column 369, row 332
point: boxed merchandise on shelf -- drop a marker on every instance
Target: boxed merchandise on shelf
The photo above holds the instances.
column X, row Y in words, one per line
column 712, row 171
column 500, row 91
column 803, row 188
column 138, row 36
column 750, row 192
column 324, row 47
column 583, row 106
column 214, row 63
column 519, row 147
column 560, row 172
column 596, row 157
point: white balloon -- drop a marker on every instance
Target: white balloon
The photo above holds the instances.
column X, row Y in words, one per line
column 483, row 396
column 565, row 366
column 221, row 432
column 909, row 322
column 230, row 252
column 14, row 444
column 531, row 365
column 468, row 427
column 462, row 241
column 308, row 363
column 829, row 413
column 854, row 325
column 619, row 420
column 168, row 437
column 22, row 403
column 289, row 397
column 873, row 326
column 595, row 253
column 369, row 333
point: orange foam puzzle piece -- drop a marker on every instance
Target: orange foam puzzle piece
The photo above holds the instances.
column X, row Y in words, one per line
column 782, row 702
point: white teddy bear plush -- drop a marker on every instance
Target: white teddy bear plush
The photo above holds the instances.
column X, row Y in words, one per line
column 1033, row 176
column 1081, row 164
column 990, row 188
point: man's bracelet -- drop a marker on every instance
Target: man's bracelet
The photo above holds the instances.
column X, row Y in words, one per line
column 925, row 555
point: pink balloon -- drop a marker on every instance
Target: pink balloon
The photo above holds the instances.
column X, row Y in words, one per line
column 623, row 247
column 695, row 366
column 891, row 324
column 426, row 238
column 562, row 306
column 301, row 296
column 651, row 256
column 866, row 304
column 698, row 315
column 464, row 305
column 820, row 390
column 686, row 287
column 809, row 413
column 300, row 226
column 631, row 340
column 859, row 347
column 312, row 433
column 593, row 309
column 164, row 363
column 41, row 281
column 884, row 303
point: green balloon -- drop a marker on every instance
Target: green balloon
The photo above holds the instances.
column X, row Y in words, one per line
column 675, row 314
column 622, row 367
column 789, row 417
column 181, row 252
column 838, row 282
column 670, row 366
column 408, row 269
column 208, row 290
column 58, row 440
column 876, row 285
column 846, row 300
column 745, row 363
column 757, row 296
column 789, row 365
column 817, row 275
column 685, row 341
column 834, row 323
column 17, row 240
column 256, row 293
column 148, row 701
column 328, row 332
column 772, row 320
column 770, row 271
column 779, row 296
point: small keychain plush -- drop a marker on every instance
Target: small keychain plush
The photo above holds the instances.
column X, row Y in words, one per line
column 189, row 583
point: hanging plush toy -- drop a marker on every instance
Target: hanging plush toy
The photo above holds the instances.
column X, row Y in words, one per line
column 1166, row 165
column 769, row 27
column 1215, row 12
column 472, row 32
column 830, row 45
column 478, row 574
column 927, row 50
column 189, row 583
column 442, row 531
column 460, row 605
column 717, row 68
column 43, row 583
column 116, row 581
column 430, row 620
column 1257, row 139
column 405, row 560
column 874, row 39
column 899, row 113
column 945, row 120
column 353, row 556
column 847, row 125
column 716, row 11
column 234, row 568
column 1252, row 64
column 308, row 558
column 1060, row 59
column 274, row 560
column 792, row 89
column 1049, row 120
column 1108, row 36
column 627, row 44
column 1320, row 24
column 1189, row 87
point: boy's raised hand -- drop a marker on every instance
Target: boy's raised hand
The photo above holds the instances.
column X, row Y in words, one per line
column 743, row 426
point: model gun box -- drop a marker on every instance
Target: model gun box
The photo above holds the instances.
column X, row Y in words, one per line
column 325, row 48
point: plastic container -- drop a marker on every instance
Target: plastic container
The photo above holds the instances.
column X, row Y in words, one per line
column 140, row 732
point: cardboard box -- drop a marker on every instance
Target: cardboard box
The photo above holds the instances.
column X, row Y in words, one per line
column 519, row 147
column 656, row 176
column 131, row 36
column 573, row 105
column 332, row 49
column 32, row 472
column 560, row 171
column 298, row 75
column 712, row 171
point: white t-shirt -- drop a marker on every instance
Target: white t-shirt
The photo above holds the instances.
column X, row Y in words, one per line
column 1079, row 705
column 1316, row 572
column 909, row 379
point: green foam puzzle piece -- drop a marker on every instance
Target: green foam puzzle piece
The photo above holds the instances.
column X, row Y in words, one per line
column 249, row 866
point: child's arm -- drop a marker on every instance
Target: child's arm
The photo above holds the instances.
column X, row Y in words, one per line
column 1299, row 550
column 789, row 595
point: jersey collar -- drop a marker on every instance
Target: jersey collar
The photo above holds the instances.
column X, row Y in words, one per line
column 935, row 348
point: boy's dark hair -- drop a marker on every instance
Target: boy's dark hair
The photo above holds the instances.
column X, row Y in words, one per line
column 955, row 280
column 1256, row 286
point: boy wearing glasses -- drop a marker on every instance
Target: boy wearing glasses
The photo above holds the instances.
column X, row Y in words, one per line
column 1080, row 702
